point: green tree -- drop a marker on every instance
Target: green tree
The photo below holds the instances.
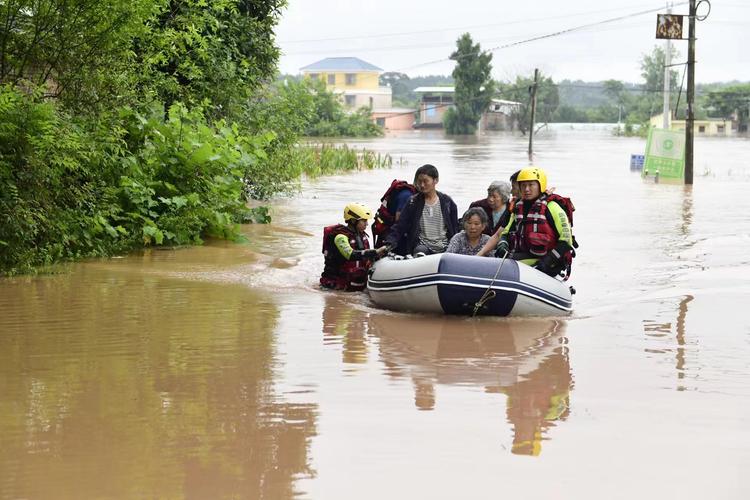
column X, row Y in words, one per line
column 731, row 102
column 650, row 101
column 547, row 99
column 652, row 69
column 474, row 86
column 88, row 52
column 570, row 114
column 400, row 88
column 78, row 51
column 620, row 98
column 218, row 51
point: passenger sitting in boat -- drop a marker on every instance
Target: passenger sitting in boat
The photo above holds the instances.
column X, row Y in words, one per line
column 496, row 206
column 347, row 251
column 391, row 205
column 515, row 194
column 428, row 221
column 539, row 232
column 472, row 238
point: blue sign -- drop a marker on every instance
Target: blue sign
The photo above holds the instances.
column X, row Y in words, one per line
column 636, row 162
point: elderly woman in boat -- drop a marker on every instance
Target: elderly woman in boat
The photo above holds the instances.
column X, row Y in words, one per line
column 472, row 238
column 496, row 206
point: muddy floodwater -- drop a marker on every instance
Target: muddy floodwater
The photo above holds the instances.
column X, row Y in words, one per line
column 222, row 371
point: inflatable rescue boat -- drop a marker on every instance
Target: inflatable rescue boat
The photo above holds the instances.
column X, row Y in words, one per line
column 453, row 284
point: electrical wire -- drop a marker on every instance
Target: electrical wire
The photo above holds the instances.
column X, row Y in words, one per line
column 443, row 30
column 543, row 37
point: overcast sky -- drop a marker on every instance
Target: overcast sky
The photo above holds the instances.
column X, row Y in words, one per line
column 404, row 35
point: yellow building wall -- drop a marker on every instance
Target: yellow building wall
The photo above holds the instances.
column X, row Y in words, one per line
column 709, row 127
column 363, row 80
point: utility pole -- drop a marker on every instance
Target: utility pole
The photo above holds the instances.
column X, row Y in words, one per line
column 690, row 119
column 666, row 114
column 533, row 114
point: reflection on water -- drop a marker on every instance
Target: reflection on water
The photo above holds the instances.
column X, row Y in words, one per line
column 687, row 210
column 471, row 149
column 526, row 360
column 118, row 384
column 663, row 331
column 343, row 323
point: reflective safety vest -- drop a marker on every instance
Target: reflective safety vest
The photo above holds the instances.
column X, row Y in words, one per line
column 386, row 214
column 339, row 272
column 534, row 232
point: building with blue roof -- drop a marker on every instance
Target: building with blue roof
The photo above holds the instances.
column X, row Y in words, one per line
column 335, row 64
column 355, row 80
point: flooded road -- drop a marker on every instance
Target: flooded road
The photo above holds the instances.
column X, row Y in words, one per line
column 222, row 372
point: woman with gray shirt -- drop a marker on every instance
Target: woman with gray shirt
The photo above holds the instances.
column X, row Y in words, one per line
column 472, row 238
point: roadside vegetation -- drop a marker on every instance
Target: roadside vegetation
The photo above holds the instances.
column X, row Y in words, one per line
column 150, row 122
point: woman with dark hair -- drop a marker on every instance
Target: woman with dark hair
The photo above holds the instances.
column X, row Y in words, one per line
column 428, row 221
column 472, row 238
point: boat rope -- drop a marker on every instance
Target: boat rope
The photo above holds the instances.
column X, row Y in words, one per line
column 489, row 294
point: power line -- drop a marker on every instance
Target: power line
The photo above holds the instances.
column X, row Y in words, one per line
column 402, row 47
column 388, row 48
column 545, row 36
column 442, row 30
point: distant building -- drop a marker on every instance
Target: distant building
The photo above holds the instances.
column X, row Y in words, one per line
column 435, row 101
column 357, row 83
column 394, row 118
column 712, row 127
column 355, row 80
column 501, row 115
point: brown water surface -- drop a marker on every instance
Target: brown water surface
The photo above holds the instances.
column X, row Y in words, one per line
column 222, row 372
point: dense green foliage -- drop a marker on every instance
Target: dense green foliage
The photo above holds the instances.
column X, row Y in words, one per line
column 93, row 54
column 217, row 51
column 77, row 187
column 80, row 52
column 474, row 87
column 731, row 101
column 148, row 122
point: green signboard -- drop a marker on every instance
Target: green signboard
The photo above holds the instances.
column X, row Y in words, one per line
column 665, row 154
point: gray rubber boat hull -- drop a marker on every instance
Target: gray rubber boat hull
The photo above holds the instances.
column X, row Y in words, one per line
column 452, row 284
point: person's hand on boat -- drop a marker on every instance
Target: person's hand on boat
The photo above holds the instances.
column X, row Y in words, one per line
column 382, row 251
column 550, row 264
column 502, row 248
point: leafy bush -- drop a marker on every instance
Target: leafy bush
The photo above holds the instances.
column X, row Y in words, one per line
column 187, row 178
column 75, row 188
column 54, row 177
